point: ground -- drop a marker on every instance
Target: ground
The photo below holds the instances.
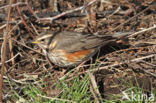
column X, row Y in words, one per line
column 125, row 67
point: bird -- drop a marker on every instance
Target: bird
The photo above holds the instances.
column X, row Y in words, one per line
column 70, row 48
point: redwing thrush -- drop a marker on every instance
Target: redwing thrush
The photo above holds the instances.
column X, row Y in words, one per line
column 67, row 48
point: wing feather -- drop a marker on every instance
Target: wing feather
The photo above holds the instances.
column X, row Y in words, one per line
column 75, row 41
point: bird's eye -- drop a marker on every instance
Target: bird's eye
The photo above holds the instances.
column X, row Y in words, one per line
column 42, row 40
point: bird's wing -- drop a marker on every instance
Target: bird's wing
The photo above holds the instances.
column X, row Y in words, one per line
column 75, row 41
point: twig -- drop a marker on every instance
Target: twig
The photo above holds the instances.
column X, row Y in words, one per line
column 114, row 65
column 3, row 26
column 152, row 74
column 29, row 8
column 129, row 19
column 116, row 11
column 131, row 6
column 4, row 46
column 144, row 30
column 15, row 26
column 11, row 58
column 56, row 5
column 95, row 87
column 72, row 70
column 67, row 74
column 149, row 63
column 13, row 5
column 10, row 41
column 94, row 95
column 27, row 46
column 66, row 12
column 23, row 21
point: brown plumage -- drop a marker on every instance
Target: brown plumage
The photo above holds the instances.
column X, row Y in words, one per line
column 67, row 48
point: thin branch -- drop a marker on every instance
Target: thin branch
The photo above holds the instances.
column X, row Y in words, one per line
column 11, row 58
column 27, row 46
column 144, row 30
column 67, row 12
column 29, row 8
column 10, row 41
column 3, row 56
column 95, row 88
column 117, row 64
column 129, row 19
column 23, row 21
column 13, row 5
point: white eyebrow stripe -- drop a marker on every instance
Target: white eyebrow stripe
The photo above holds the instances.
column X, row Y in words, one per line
column 44, row 37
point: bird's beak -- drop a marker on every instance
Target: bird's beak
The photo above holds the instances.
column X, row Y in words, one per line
column 34, row 42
